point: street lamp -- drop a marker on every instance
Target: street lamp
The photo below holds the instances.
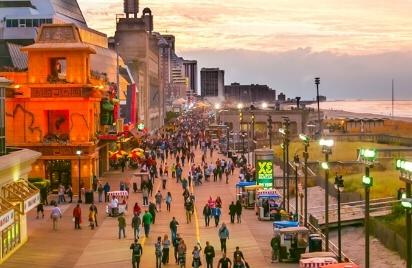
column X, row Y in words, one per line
column 296, row 161
column 327, row 145
column 285, row 133
column 264, row 105
column 253, row 128
column 79, row 153
column 405, row 167
column 367, row 156
column 305, row 140
column 217, row 107
column 317, row 82
column 339, row 186
column 270, row 127
column 282, row 145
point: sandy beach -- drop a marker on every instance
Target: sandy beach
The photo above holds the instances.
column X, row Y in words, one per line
column 345, row 114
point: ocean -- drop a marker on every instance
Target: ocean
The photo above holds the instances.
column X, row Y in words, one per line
column 401, row 108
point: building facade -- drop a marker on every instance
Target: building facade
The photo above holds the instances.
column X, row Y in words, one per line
column 59, row 106
column 249, row 94
column 139, row 48
column 212, row 83
column 190, row 71
column 17, row 195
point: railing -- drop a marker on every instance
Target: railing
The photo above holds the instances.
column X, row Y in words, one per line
column 357, row 208
column 313, row 229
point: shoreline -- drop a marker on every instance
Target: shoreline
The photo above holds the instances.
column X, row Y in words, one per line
column 334, row 114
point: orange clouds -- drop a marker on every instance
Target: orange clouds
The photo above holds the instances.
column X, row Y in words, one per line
column 351, row 26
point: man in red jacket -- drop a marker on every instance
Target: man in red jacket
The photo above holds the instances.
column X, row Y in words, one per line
column 77, row 215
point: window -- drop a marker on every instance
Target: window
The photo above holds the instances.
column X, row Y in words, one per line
column 58, row 68
column 58, row 124
column 42, row 21
column 29, row 23
column 36, row 23
column 10, row 23
column 49, row 21
column 22, row 23
column 11, row 237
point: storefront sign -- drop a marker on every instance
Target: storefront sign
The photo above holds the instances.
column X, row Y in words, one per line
column 266, row 192
column 32, row 202
column 264, row 173
column 6, row 219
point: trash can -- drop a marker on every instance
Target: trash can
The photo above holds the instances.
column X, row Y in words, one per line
column 315, row 243
column 89, row 197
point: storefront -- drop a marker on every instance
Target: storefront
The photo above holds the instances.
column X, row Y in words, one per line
column 16, row 200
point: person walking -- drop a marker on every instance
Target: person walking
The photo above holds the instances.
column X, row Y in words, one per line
column 207, row 213
column 40, row 210
column 137, row 251
column 173, row 228
column 122, row 226
column 158, row 252
column 136, row 222
column 239, row 211
column 216, row 214
column 145, row 194
column 168, row 200
column 153, row 210
column 189, row 209
column 106, row 189
column 136, row 209
column 181, row 252
column 238, row 256
column 147, row 221
column 224, row 262
column 176, row 243
column 100, row 192
column 164, row 181
column 223, row 236
column 69, row 192
column 92, row 217
column 166, row 247
column 159, row 199
column 94, row 207
column 197, row 250
column 232, row 212
column 55, row 215
column 77, row 215
column 209, row 252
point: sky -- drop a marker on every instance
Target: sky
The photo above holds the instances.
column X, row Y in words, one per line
column 355, row 47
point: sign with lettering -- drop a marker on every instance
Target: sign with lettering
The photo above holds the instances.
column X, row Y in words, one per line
column 269, row 192
column 32, row 202
column 264, row 169
column 6, row 219
column 69, row 92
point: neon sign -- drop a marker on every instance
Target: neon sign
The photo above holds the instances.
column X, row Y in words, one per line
column 265, row 173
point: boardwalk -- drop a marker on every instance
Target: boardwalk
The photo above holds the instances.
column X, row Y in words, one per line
column 102, row 248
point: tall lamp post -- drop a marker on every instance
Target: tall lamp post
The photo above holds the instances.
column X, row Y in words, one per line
column 79, row 153
column 285, row 133
column 305, row 140
column 367, row 156
column 317, row 82
column 253, row 130
column 217, row 107
column 296, row 161
column 327, row 145
column 269, row 125
column 405, row 167
column 339, row 186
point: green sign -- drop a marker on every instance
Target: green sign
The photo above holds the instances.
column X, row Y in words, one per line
column 264, row 169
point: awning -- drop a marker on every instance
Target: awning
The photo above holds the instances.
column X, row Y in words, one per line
column 22, row 191
column 7, row 213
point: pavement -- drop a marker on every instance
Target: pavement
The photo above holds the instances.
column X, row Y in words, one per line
column 101, row 247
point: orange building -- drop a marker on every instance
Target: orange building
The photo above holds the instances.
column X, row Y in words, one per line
column 55, row 107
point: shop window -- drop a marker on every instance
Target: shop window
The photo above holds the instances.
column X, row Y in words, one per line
column 57, row 69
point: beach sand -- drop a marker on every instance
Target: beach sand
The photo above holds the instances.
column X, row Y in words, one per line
column 344, row 114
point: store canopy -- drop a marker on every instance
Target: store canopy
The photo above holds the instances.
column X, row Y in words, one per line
column 7, row 213
column 22, row 191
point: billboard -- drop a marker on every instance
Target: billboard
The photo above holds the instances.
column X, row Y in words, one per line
column 264, row 171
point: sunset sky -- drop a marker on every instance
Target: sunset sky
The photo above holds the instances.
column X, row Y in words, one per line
column 248, row 37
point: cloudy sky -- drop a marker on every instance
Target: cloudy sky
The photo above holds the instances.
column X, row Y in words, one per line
column 356, row 47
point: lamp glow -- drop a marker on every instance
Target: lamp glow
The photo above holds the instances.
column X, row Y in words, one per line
column 406, row 202
column 404, row 165
column 264, row 105
column 367, row 181
column 324, row 165
column 303, row 137
column 239, row 105
column 282, row 131
column 78, row 152
column 368, row 153
column 217, row 106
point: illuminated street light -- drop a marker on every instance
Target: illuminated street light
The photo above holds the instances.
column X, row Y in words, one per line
column 324, row 165
column 367, row 181
column 282, row 131
column 264, row 105
column 217, row 106
column 304, row 138
column 240, row 106
column 79, row 153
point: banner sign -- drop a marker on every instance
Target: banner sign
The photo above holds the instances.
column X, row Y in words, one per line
column 6, row 219
column 264, row 170
column 32, row 202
